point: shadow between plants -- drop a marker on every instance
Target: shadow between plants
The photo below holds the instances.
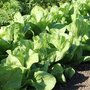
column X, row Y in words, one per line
column 77, row 80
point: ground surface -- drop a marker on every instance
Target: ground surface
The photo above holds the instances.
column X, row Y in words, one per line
column 80, row 81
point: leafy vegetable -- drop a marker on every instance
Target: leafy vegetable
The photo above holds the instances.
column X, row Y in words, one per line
column 41, row 46
column 44, row 81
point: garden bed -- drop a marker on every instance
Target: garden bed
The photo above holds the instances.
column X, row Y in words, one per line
column 42, row 42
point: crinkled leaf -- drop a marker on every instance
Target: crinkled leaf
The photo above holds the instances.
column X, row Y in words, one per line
column 38, row 13
column 18, row 18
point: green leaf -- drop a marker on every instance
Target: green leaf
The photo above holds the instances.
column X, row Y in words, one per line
column 61, row 42
column 12, row 61
column 57, row 69
column 37, row 43
column 61, row 78
column 86, row 59
column 45, row 81
column 5, row 34
column 10, row 78
column 18, row 18
column 38, row 13
column 32, row 58
column 69, row 72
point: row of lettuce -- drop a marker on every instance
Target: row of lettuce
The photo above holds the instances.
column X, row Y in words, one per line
column 42, row 48
column 9, row 7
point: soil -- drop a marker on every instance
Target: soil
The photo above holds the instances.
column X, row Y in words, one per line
column 80, row 81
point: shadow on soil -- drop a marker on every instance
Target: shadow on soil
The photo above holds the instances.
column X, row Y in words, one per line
column 76, row 80
column 84, row 67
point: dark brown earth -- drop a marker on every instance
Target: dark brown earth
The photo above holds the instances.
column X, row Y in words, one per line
column 80, row 81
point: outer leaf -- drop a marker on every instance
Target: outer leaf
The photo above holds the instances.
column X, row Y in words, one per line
column 86, row 59
column 12, row 61
column 57, row 69
column 10, row 78
column 46, row 80
column 69, row 72
column 61, row 78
